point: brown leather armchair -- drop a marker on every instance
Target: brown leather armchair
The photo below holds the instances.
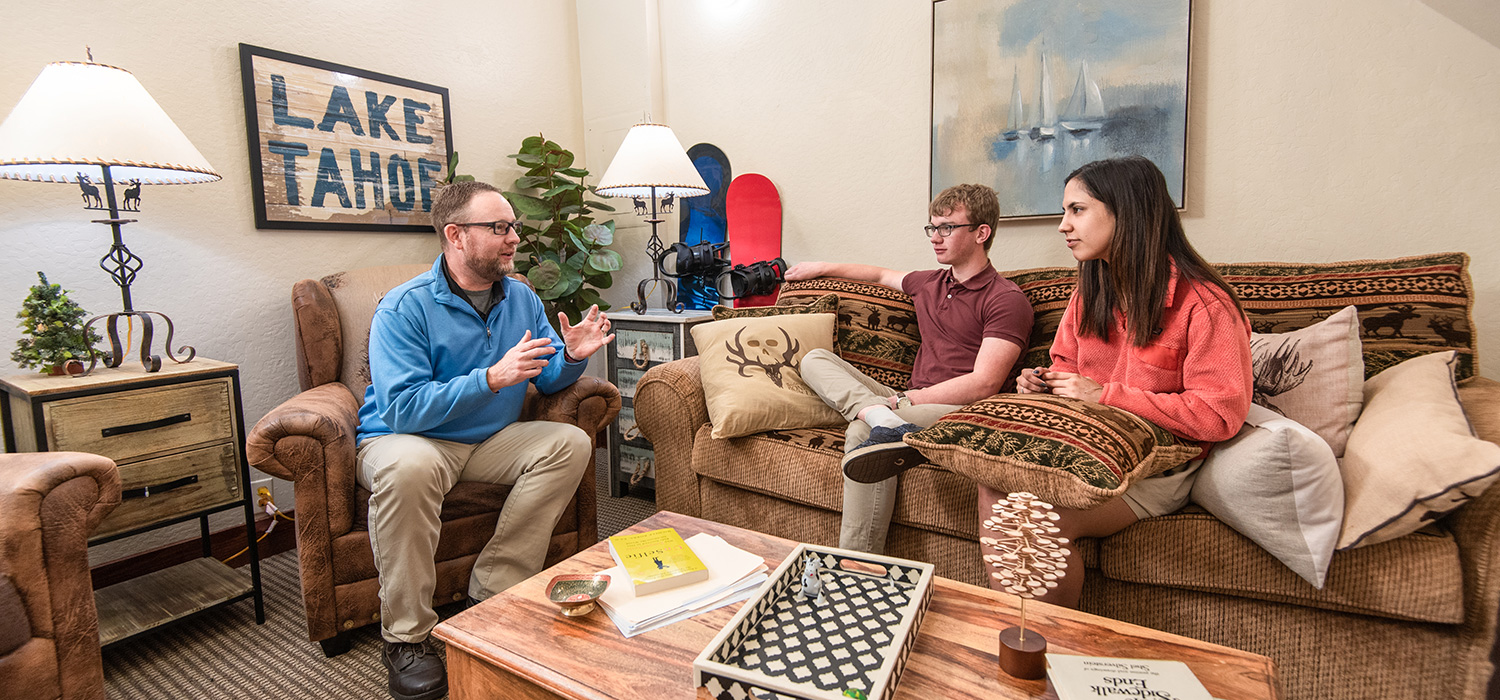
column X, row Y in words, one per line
column 309, row 440
column 49, row 628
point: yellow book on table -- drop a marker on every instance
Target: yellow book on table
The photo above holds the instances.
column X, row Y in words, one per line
column 657, row 560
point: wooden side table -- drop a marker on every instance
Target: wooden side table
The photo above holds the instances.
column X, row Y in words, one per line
column 178, row 438
column 641, row 342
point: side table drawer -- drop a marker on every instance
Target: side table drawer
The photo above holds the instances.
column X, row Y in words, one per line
column 640, row 348
column 155, row 489
column 131, row 424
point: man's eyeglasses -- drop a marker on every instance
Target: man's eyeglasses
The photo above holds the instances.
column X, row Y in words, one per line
column 499, row 228
column 946, row 230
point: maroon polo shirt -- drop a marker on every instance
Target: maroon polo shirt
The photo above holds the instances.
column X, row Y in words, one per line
column 955, row 317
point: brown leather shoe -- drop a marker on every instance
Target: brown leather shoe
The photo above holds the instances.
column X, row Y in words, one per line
column 416, row 672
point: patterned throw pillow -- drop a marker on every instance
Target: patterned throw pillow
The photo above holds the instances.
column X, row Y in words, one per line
column 877, row 325
column 1315, row 376
column 1413, row 456
column 749, row 370
column 1048, row 289
column 826, row 304
column 1071, row 453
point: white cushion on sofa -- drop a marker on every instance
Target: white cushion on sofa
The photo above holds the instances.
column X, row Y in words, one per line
column 1277, row 483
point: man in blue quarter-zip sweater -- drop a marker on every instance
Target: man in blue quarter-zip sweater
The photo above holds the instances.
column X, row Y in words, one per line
column 451, row 352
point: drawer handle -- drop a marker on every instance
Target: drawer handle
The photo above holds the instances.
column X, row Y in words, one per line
column 641, row 349
column 146, row 491
column 148, row 425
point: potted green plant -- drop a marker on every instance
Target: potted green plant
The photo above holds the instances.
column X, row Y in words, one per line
column 564, row 252
column 55, row 340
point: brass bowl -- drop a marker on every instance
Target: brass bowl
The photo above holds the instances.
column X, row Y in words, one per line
column 576, row 593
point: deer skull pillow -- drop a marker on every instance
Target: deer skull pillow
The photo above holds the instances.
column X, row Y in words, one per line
column 1314, row 376
column 750, row 379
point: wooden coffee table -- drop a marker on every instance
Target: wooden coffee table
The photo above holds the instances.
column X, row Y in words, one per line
column 518, row 645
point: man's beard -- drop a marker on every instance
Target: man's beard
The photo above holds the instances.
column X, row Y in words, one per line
column 492, row 269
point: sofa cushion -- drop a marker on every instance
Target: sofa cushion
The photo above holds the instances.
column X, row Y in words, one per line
column 15, row 624
column 1413, row 456
column 877, row 326
column 1417, row 577
column 1314, row 375
column 1071, row 453
column 826, row 304
column 1407, row 306
column 749, row 370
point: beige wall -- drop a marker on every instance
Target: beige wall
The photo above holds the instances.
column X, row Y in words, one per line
column 511, row 68
column 1318, row 131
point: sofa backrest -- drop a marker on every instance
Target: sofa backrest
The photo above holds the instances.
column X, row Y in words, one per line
column 1407, row 306
column 876, row 326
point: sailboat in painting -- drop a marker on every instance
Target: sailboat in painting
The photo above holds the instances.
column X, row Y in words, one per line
column 1046, row 116
column 1013, row 121
column 1085, row 110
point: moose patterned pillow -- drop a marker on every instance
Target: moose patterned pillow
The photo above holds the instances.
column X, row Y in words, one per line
column 750, row 378
column 1314, row 376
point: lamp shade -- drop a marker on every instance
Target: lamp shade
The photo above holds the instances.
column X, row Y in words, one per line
column 89, row 114
column 651, row 163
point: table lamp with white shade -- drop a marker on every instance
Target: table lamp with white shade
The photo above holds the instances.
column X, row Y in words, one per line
column 94, row 125
column 652, row 164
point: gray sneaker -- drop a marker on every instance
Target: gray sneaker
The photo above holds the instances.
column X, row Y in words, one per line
column 883, row 455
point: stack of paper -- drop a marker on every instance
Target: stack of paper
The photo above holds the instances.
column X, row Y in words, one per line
column 733, row 575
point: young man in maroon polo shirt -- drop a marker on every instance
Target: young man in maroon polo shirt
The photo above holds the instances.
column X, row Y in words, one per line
column 974, row 325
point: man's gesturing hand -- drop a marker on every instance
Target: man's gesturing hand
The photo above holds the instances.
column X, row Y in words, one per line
column 522, row 362
column 588, row 336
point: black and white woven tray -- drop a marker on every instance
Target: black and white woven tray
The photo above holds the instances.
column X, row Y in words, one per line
column 782, row 645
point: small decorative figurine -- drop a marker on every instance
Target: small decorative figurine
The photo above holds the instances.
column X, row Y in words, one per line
column 812, row 583
column 1028, row 562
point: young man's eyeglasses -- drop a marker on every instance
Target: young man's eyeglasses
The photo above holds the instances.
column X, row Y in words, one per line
column 946, row 230
column 499, row 228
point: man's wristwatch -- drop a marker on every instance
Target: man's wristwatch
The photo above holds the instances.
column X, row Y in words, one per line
column 902, row 400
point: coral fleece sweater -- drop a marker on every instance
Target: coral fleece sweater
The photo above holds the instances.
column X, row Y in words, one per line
column 1193, row 378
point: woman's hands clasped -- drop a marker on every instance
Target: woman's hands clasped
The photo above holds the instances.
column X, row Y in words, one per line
column 1040, row 380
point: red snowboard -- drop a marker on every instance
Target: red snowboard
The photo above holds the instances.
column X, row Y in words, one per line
column 754, row 210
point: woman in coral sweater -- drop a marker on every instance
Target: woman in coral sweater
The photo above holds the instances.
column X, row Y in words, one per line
column 1151, row 329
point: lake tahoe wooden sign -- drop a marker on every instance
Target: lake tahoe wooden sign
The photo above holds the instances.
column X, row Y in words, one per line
column 335, row 147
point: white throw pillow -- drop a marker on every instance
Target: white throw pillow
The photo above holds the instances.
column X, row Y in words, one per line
column 1413, row 456
column 1314, row 375
column 1277, row 483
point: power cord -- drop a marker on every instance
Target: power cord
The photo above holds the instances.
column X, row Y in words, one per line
column 269, row 506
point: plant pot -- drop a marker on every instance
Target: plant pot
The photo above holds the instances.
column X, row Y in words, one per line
column 69, row 368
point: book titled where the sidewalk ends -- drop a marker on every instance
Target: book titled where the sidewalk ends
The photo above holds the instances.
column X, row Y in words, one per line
column 657, row 560
column 1091, row 677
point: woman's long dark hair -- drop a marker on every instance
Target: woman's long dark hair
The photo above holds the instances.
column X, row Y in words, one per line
column 1148, row 238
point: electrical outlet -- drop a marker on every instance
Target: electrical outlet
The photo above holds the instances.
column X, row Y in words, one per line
column 256, row 486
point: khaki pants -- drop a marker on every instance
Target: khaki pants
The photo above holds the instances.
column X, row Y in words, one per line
column 408, row 475
column 867, row 507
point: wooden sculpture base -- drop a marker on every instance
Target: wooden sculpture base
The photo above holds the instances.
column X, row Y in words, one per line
column 1023, row 660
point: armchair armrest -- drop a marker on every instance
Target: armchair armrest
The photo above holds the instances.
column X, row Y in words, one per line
column 49, row 502
column 305, row 434
column 589, row 403
column 670, row 408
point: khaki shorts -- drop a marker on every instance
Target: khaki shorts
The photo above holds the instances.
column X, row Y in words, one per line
column 1163, row 493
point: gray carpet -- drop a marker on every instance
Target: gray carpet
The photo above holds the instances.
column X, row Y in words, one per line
column 223, row 655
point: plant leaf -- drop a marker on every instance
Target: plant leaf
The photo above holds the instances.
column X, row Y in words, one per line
column 559, row 190
column 600, row 234
column 529, row 206
column 574, row 172
column 605, row 260
column 532, row 142
column 530, row 181
column 570, row 209
column 545, row 277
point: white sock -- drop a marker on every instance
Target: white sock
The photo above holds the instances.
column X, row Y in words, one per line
column 881, row 416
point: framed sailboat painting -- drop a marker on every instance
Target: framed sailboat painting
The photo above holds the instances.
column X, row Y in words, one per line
column 1025, row 91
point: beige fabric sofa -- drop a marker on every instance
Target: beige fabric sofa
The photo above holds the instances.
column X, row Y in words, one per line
column 1410, row 618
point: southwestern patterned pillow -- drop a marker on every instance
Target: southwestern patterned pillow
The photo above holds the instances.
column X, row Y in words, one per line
column 877, row 326
column 1071, row 453
column 1048, row 289
column 826, row 304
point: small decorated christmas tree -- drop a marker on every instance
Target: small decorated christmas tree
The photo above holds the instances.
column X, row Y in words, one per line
column 53, row 327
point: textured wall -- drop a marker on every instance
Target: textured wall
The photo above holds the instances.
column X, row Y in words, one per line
column 1317, row 131
column 511, row 68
